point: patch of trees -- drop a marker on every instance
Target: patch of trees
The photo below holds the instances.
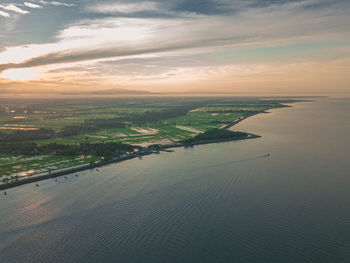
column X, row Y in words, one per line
column 155, row 116
column 216, row 135
column 235, row 111
column 90, row 126
column 106, row 150
column 26, row 135
column 146, row 117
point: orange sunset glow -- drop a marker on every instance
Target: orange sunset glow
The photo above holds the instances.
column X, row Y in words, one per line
column 252, row 47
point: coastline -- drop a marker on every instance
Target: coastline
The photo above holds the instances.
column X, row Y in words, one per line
column 166, row 148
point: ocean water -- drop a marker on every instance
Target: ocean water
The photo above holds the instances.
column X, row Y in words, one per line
column 224, row 202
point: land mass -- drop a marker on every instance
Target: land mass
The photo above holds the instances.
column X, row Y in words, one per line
column 40, row 141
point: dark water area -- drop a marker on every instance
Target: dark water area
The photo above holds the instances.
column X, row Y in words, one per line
column 224, row 202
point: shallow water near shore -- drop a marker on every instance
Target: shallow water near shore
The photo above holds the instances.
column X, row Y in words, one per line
column 224, row 202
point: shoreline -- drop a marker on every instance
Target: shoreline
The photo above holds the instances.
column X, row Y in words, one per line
column 166, row 148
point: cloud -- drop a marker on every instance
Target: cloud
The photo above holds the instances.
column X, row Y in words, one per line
column 31, row 5
column 4, row 14
column 96, row 39
column 156, row 44
column 14, row 8
column 77, row 55
column 124, row 8
column 229, row 7
column 54, row 3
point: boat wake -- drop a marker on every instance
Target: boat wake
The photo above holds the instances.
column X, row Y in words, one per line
column 238, row 161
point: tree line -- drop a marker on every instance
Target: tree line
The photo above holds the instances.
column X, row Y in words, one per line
column 216, row 134
column 106, row 150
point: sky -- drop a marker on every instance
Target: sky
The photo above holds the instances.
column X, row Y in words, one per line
column 280, row 47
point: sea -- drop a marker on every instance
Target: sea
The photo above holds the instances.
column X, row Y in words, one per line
column 284, row 197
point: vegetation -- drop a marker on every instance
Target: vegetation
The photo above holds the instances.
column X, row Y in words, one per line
column 13, row 166
column 95, row 149
column 216, row 135
column 25, row 135
column 103, row 128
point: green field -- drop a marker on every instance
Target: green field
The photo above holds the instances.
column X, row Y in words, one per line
column 20, row 165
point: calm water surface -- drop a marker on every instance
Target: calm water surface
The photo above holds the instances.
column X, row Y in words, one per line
column 212, row 203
